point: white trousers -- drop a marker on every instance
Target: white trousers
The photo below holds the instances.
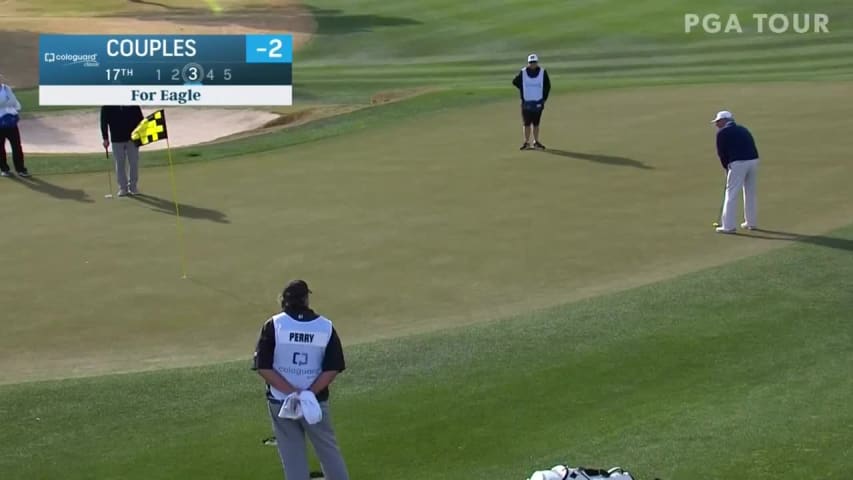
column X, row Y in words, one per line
column 741, row 176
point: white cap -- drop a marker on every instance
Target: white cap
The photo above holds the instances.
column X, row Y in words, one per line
column 722, row 115
column 532, row 58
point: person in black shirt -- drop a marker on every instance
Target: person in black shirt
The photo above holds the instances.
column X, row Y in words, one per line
column 9, row 117
column 300, row 350
column 118, row 123
column 534, row 87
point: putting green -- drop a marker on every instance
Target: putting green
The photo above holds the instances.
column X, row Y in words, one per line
column 431, row 223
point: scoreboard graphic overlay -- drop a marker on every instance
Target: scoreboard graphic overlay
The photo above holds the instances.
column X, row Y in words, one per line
column 166, row 70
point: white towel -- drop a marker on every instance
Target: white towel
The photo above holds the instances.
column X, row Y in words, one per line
column 558, row 472
column 310, row 407
column 301, row 405
column 546, row 475
column 291, row 407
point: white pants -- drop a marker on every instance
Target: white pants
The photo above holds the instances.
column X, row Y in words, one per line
column 742, row 176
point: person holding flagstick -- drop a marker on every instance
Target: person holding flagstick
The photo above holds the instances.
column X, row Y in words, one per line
column 109, row 176
column 117, row 125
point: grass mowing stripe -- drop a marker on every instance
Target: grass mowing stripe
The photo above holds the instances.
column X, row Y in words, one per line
column 835, row 64
column 569, row 68
column 651, row 379
column 619, row 50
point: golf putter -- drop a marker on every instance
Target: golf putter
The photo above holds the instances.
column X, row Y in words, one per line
column 109, row 176
column 717, row 222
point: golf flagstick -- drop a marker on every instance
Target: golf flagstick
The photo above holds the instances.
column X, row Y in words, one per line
column 109, row 175
column 177, row 211
column 152, row 129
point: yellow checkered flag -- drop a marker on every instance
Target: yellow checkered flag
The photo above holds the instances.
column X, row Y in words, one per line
column 151, row 129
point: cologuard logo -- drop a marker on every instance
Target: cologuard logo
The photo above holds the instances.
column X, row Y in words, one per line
column 300, row 358
column 88, row 60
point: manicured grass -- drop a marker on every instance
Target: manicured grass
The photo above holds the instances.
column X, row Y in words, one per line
column 429, row 222
column 423, row 215
column 738, row 371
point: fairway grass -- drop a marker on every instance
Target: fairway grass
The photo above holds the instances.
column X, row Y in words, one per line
column 740, row 371
column 428, row 223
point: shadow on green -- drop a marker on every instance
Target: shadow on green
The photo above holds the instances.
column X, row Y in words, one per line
column 819, row 240
column 39, row 185
column 162, row 205
column 600, row 158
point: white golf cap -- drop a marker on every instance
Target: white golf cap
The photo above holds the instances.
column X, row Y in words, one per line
column 723, row 115
column 532, row 58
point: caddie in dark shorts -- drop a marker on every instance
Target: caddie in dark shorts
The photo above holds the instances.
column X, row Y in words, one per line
column 534, row 86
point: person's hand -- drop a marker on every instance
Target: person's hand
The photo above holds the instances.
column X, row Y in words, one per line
column 106, row 143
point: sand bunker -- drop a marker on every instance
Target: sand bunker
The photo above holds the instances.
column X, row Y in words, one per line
column 80, row 131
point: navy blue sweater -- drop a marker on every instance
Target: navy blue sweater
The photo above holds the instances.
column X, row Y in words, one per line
column 734, row 142
column 120, row 120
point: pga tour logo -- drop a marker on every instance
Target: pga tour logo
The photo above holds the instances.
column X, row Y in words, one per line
column 764, row 23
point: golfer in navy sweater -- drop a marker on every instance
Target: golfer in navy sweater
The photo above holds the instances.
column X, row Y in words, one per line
column 739, row 158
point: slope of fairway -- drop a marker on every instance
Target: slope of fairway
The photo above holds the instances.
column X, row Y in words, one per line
column 369, row 45
column 735, row 372
column 433, row 222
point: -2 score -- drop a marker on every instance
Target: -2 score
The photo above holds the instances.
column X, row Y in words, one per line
column 176, row 75
column 275, row 46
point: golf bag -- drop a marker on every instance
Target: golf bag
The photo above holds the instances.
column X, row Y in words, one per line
column 562, row 472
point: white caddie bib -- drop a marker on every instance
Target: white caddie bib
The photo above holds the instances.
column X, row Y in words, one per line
column 299, row 350
column 532, row 88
